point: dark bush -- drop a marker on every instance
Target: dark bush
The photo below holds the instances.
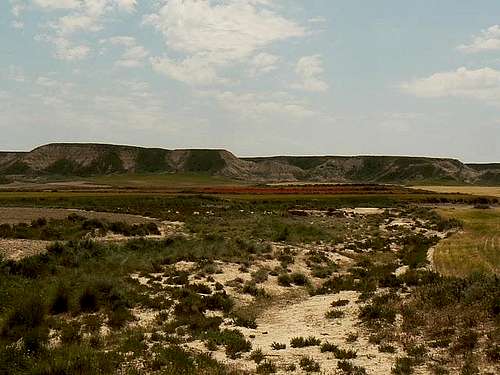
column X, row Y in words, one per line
column 308, row 364
column 266, row 367
column 301, row 342
column 60, row 303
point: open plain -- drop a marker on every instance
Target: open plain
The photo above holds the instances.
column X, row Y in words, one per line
column 241, row 279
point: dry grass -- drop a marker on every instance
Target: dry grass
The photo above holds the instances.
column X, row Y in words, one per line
column 492, row 191
column 14, row 215
column 476, row 248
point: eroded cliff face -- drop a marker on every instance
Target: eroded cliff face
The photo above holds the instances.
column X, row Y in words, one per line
column 82, row 159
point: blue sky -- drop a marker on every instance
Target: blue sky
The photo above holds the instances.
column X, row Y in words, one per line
column 257, row 77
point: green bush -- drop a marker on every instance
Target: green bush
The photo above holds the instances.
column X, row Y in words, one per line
column 334, row 314
column 278, row 346
column 301, row 342
column 244, row 319
column 348, row 368
column 257, row 356
column 233, row 340
column 266, row 367
column 328, row 348
column 284, row 280
column 28, row 314
column 78, row 360
column 60, row 302
column 403, row 366
column 339, row 303
column 308, row 364
column 299, row 279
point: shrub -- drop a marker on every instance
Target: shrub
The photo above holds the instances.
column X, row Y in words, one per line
column 334, row 314
column 386, row 348
column 465, row 342
column 257, row 356
column 29, row 314
column 352, row 337
column 345, row 354
column 34, row 339
column 337, row 284
column 284, row 279
column 218, row 301
column 253, row 290
column 119, row 316
column 266, row 367
column 211, row 345
column 403, row 366
column 348, row 368
column 75, row 359
column 278, row 346
column 469, row 367
column 378, row 312
column 493, row 352
column 173, row 359
column 89, row 300
column 340, row 303
column 60, row 303
column 200, row 288
column 299, row 279
column 244, row 319
column 417, row 352
column 308, row 364
column 338, row 353
column 328, row 347
column 301, row 342
column 233, row 340
column 260, row 276
column 290, row 367
column 70, row 333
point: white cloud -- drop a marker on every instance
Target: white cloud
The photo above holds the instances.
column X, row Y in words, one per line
column 79, row 18
column 73, row 23
column 16, row 73
column 17, row 8
column 192, row 70
column 263, row 63
column 134, row 55
column 400, row 122
column 262, row 106
column 65, row 49
column 488, row 40
column 215, row 34
column 58, row 4
column 17, row 24
column 482, row 84
column 46, row 81
column 128, row 41
column 126, row 5
column 310, row 70
column 318, row 19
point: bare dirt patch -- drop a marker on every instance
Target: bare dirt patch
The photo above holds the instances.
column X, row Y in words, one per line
column 14, row 215
column 18, row 249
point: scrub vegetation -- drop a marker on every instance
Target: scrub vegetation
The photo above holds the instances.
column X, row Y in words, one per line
column 247, row 286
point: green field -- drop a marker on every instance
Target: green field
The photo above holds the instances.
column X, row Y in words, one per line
column 492, row 191
column 163, row 180
column 474, row 249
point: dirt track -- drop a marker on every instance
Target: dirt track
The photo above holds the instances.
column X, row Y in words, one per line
column 13, row 215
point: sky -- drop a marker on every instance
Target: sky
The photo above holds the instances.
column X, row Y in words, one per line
column 256, row 77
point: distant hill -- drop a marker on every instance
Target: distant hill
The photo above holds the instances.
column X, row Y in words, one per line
column 87, row 159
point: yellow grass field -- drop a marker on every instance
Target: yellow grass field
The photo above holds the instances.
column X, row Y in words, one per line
column 492, row 191
column 476, row 248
